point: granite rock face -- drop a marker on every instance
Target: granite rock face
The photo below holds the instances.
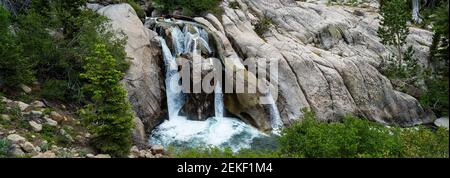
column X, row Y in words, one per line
column 327, row 58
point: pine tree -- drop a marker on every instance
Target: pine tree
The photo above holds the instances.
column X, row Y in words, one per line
column 108, row 117
column 393, row 26
column 14, row 68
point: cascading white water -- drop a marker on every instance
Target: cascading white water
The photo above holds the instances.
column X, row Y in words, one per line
column 217, row 131
column 175, row 97
column 277, row 123
column 218, row 101
column 415, row 11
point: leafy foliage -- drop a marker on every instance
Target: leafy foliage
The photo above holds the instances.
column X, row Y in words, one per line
column 109, row 117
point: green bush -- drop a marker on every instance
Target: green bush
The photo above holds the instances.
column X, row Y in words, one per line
column 436, row 96
column 354, row 137
column 108, row 117
column 55, row 89
column 424, row 143
column 351, row 138
column 53, row 136
column 263, row 25
column 4, row 147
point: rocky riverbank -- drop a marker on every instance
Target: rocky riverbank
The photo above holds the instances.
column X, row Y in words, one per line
column 46, row 130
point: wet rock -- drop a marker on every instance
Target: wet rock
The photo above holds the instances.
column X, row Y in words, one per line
column 157, row 149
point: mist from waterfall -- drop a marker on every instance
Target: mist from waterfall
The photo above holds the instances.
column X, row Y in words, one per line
column 178, row 130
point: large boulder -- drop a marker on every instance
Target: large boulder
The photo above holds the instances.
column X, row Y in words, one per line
column 143, row 80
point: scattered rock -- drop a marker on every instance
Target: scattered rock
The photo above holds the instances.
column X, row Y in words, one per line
column 35, row 126
column 38, row 149
column 47, row 154
column 142, row 154
column 14, row 138
column 50, row 122
column 149, row 155
column 36, row 114
column 28, row 147
column 16, row 151
column 80, row 139
column 134, row 151
column 37, row 104
column 157, row 149
column 158, row 156
column 5, row 117
column 25, row 88
column 442, row 122
column 102, row 156
column 90, row 155
column 56, row 116
column 22, row 106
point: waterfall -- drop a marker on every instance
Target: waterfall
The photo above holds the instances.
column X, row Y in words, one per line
column 276, row 122
column 218, row 101
column 415, row 11
column 217, row 131
column 175, row 97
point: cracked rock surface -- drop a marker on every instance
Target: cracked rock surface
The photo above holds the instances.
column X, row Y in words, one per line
column 327, row 57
